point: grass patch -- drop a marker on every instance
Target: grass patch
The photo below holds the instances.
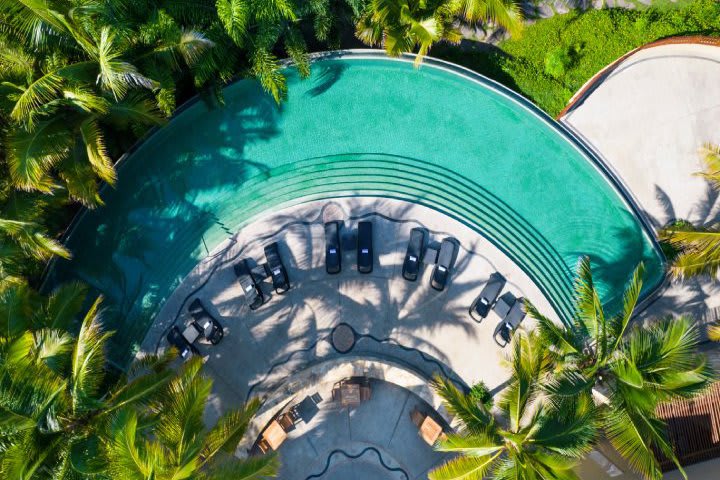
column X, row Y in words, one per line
column 555, row 57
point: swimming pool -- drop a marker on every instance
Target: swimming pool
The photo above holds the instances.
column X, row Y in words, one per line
column 361, row 125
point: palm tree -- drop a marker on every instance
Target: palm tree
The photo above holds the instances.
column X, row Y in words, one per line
column 24, row 238
column 68, row 84
column 405, row 25
column 530, row 439
column 628, row 372
column 698, row 246
column 55, row 393
column 170, row 441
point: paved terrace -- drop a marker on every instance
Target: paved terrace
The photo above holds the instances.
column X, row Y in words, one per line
column 405, row 331
column 648, row 118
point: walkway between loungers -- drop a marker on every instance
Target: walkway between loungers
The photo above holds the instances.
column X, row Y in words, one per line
column 647, row 119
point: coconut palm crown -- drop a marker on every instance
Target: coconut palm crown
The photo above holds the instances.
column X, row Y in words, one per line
column 54, row 390
column 530, row 438
column 698, row 246
column 169, row 440
column 406, row 25
column 627, row 370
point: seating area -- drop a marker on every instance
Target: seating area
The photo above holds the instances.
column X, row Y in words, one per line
column 346, row 394
column 250, row 275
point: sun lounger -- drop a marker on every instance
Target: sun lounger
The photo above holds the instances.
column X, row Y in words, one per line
column 333, row 262
column 414, row 254
column 365, row 247
column 505, row 329
column 441, row 272
column 254, row 297
column 279, row 275
column 206, row 324
column 487, row 297
column 185, row 348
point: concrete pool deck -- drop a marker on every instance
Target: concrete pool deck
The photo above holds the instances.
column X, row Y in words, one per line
column 648, row 118
column 400, row 325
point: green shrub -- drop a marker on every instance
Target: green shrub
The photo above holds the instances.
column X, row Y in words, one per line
column 553, row 58
column 481, row 394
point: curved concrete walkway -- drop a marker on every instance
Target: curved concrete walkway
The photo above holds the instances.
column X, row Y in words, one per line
column 648, row 119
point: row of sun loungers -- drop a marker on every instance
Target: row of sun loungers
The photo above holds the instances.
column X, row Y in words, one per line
column 413, row 257
column 333, row 251
column 205, row 325
column 250, row 277
column 507, row 307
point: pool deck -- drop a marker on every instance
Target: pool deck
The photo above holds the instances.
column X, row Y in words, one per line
column 648, row 119
column 284, row 346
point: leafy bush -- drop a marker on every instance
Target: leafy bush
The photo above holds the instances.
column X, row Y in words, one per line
column 554, row 57
column 481, row 394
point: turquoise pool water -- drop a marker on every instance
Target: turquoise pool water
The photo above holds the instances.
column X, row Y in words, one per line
column 358, row 126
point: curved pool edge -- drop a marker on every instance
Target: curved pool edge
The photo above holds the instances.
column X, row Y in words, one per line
column 577, row 144
column 586, row 150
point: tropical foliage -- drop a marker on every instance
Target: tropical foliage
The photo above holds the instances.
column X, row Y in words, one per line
column 169, row 441
column 62, row 416
column 54, row 395
column 627, row 370
column 530, row 438
column 698, row 247
column 403, row 26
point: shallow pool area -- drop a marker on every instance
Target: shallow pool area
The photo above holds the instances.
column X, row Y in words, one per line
column 360, row 126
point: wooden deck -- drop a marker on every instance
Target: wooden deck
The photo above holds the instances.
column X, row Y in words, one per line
column 694, row 427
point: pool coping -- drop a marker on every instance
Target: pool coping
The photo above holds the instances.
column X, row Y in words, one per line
column 359, row 54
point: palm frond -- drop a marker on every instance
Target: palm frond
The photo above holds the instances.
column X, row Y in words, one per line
column 228, row 431
column 63, row 305
column 630, row 299
column 52, row 347
column 559, row 337
column 710, row 155
column 266, row 69
column 88, row 361
column 17, row 304
column 39, row 92
column 634, row 437
column 96, row 151
column 116, row 75
column 31, row 153
column 234, row 16
column 713, row 332
column 473, row 415
column 32, row 240
column 699, row 250
column 252, row 468
column 506, row 14
column 464, row 468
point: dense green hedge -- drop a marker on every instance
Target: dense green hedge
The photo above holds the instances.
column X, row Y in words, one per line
column 554, row 57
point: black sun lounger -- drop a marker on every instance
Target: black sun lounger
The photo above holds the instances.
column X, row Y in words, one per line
column 207, row 325
column 279, row 275
column 333, row 260
column 488, row 295
column 505, row 329
column 365, row 247
column 414, row 254
column 441, row 272
column 252, row 291
column 176, row 339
